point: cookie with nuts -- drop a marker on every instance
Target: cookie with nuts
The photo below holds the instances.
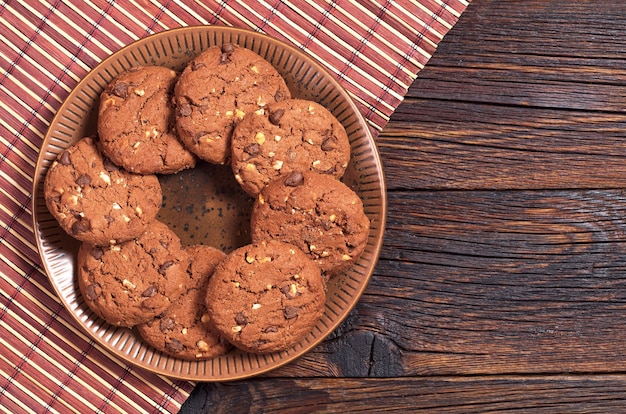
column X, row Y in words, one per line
column 94, row 200
column 265, row 297
column 136, row 122
column 290, row 135
column 131, row 283
column 216, row 90
column 319, row 214
column 184, row 329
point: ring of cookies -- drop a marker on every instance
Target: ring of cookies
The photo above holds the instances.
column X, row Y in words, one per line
column 228, row 106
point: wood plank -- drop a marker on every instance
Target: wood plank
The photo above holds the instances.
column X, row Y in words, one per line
column 485, row 146
column 488, row 282
column 565, row 394
column 522, row 86
column 576, row 29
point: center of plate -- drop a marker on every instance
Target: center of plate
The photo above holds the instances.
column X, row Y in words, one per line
column 205, row 205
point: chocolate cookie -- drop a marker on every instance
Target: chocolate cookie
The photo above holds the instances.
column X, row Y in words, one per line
column 216, row 90
column 136, row 122
column 97, row 202
column 317, row 213
column 290, row 135
column 265, row 297
column 184, row 329
column 132, row 282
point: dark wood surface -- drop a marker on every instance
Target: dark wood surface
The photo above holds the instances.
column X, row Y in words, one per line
column 502, row 280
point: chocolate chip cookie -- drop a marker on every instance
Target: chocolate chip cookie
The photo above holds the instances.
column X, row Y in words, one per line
column 133, row 282
column 317, row 213
column 265, row 297
column 94, row 200
column 184, row 329
column 289, row 135
column 136, row 122
column 216, row 90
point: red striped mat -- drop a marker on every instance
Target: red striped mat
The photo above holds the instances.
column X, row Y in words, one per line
column 375, row 49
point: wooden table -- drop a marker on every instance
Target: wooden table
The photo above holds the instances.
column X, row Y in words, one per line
column 502, row 281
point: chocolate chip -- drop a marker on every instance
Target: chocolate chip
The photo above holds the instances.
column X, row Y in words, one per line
column 93, row 291
column 350, row 228
column 280, row 95
column 167, row 324
column 224, row 58
column 108, row 218
column 241, row 319
column 285, row 291
column 252, row 149
column 330, row 143
column 149, row 292
column 109, row 165
column 80, row 226
column 270, row 329
column 97, row 253
column 174, row 345
column 291, row 312
column 64, row 159
column 184, row 110
column 294, row 179
column 197, row 65
column 276, row 115
column 120, row 90
column 83, row 180
column 228, row 48
column 163, row 268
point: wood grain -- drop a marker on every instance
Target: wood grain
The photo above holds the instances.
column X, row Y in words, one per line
column 488, row 146
column 540, row 394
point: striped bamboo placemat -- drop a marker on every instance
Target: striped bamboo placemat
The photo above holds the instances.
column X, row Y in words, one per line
column 375, row 49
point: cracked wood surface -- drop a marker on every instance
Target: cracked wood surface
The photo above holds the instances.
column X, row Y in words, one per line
column 502, row 280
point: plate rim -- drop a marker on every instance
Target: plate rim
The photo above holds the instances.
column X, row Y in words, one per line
column 39, row 173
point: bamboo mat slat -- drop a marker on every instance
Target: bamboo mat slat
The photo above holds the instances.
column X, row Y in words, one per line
column 374, row 48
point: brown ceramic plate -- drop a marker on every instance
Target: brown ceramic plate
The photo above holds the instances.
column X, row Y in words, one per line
column 205, row 205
